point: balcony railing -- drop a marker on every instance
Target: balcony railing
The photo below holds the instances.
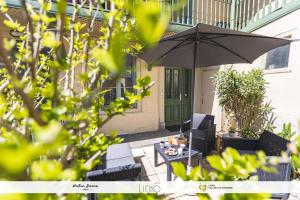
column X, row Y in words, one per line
column 246, row 15
column 213, row 12
column 233, row 14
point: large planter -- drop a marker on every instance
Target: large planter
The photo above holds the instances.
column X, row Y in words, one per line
column 232, row 134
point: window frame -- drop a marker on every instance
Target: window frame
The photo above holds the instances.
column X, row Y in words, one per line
column 136, row 71
column 282, row 69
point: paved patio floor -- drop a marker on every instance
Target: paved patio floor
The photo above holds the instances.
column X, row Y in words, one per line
column 143, row 152
column 145, row 156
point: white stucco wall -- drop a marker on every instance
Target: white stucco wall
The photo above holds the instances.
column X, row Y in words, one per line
column 283, row 89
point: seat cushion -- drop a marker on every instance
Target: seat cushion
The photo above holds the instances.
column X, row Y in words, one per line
column 116, row 151
column 198, row 120
column 113, row 163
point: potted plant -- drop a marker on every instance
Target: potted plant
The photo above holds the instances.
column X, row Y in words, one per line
column 231, row 131
column 242, row 96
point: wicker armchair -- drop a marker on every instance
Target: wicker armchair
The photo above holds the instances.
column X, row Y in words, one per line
column 204, row 133
column 272, row 145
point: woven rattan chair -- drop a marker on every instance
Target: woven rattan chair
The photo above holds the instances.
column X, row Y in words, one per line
column 272, row 145
column 204, row 133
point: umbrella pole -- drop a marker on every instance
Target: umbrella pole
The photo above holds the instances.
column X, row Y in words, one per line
column 189, row 166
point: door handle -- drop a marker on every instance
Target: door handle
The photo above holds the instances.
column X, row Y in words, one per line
column 180, row 97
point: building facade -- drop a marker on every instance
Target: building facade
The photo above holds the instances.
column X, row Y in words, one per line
column 170, row 101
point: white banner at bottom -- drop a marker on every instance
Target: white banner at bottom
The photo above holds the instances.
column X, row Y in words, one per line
column 60, row 187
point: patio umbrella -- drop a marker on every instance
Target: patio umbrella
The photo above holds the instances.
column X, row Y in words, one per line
column 204, row 45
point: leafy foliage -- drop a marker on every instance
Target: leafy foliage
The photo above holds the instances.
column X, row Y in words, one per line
column 52, row 101
column 128, row 196
column 242, row 97
column 295, row 150
column 230, row 166
column 287, row 132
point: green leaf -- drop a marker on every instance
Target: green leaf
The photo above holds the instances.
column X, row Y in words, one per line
column 151, row 21
column 46, row 170
column 106, row 59
column 3, row 6
column 61, row 6
column 14, row 25
column 15, row 157
column 9, row 44
column 48, row 40
column 179, row 170
column 217, row 162
column 49, row 133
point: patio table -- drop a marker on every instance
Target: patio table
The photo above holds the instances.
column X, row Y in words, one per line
column 169, row 159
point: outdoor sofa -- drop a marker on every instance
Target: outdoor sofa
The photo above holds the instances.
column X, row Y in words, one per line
column 272, row 145
column 204, row 133
column 117, row 165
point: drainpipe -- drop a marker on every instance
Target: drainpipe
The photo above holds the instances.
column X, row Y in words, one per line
column 233, row 14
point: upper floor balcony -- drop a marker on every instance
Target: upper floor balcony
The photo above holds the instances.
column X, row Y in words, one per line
column 245, row 15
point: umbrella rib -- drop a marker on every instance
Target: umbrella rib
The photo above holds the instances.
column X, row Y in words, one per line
column 175, row 47
column 231, row 51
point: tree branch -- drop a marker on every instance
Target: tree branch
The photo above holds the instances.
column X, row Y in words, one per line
column 32, row 38
column 17, row 88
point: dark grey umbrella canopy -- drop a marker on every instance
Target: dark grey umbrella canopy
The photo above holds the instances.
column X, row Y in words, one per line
column 215, row 46
column 205, row 45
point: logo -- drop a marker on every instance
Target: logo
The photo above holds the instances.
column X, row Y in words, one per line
column 202, row 187
column 149, row 188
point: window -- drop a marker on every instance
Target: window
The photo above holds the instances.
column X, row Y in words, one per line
column 127, row 82
column 278, row 58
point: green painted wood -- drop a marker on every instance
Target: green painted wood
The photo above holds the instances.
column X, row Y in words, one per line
column 222, row 17
column 188, row 12
column 286, row 9
column 202, row 11
column 220, row 13
column 182, row 15
column 176, row 27
column 186, row 77
column 244, row 13
column 239, row 22
column 264, row 5
column 233, row 14
column 253, row 9
column 177, row 14
column 206, row 12
column 248, row 12
column 83, row 12
column 172, row 10
column 177, row 96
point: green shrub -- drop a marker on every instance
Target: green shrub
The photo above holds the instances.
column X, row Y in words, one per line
column 230, row 166
column 52, row 104
column 287, row 132
column 242, row 96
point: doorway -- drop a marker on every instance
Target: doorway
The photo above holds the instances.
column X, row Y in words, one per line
column 177, row 97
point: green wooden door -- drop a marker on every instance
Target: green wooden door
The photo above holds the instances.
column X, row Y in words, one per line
column 177, row 96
